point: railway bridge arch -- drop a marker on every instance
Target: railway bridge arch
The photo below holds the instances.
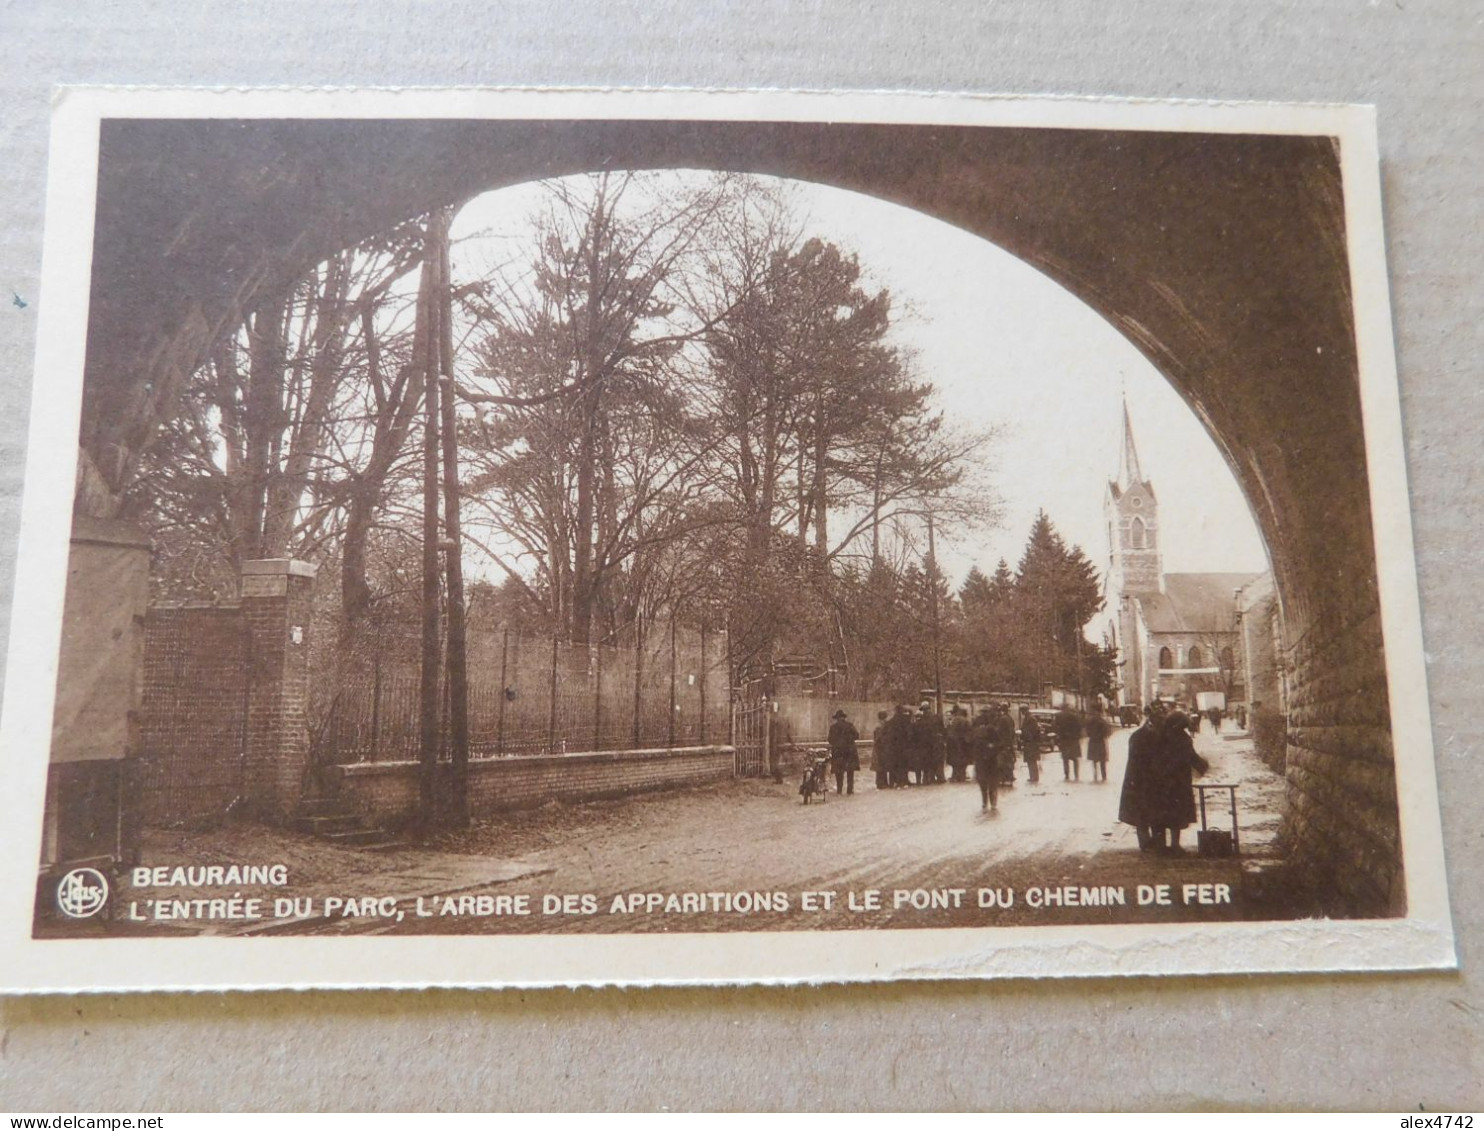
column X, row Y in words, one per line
column 1221, row 257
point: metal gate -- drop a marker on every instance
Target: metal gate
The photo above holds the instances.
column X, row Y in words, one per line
column 749, row 735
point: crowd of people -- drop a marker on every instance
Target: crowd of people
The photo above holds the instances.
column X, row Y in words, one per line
column 923, row 749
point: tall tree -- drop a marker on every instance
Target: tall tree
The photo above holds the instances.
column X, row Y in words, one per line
column 265, row 446
column 582, row 352
column 977, row 592
column 1058, row 583
column 828, row 436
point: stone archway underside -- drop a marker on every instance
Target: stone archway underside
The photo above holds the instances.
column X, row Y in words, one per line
column 1222, row 257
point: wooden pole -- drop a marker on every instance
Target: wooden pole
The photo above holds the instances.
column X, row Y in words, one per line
column 453, row 560
column 552, row 692
column 427, row 326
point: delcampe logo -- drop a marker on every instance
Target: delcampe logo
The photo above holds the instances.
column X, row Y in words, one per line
column 82, row 892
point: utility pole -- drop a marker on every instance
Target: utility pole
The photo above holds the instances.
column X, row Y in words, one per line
column 428, row 353
column 932, row 572
column 453, row 562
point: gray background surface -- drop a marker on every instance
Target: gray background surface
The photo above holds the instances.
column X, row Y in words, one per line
column 1392, row 1042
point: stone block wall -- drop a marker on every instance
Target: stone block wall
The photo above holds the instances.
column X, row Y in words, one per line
column 387, row 792
column 1340, row 826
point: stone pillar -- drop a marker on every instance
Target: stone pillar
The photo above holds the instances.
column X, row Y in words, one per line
column 276, row 595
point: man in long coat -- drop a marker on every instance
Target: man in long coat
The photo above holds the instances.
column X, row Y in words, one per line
column 1172, row 795
column 958, row 743
column 844, row 760
column 1004, row 743
column 1138, row 776
column 927, row 744
column 982, row 748
column 1098, row 729
column 896, row 743
column 1069, row 742
column 1030, row 744
column 879, row 740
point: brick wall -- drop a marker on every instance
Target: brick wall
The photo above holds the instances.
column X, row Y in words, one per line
column 387, row 792
column 192, row 712
column 225, row 694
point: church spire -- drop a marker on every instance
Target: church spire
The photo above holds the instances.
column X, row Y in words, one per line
column 1128, row 463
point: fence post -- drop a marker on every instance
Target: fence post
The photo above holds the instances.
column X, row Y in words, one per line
column 670, row 733
column 504, row 692
column 638, row 673
column 767, row 738
column 702, row 667
column 551, row 713
column 376, row 705
column 733, row 691
column 598, row 698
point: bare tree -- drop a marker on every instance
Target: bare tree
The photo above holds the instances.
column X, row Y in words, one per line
column 266, row 449
column 591, row 449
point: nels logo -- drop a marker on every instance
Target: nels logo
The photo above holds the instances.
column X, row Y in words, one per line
column 82, row 892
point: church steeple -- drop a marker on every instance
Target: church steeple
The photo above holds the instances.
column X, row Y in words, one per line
column 1134, row 561
column 1135, row 567
column 1128, row 462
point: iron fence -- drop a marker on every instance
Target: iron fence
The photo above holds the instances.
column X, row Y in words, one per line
column 667, row 687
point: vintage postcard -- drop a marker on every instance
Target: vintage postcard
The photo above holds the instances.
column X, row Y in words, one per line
column 512, row 538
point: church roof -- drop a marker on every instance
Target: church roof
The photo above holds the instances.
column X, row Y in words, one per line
column 1194, row 602
column 1117, row 492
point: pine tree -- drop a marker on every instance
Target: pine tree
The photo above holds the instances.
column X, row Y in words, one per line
column 1058, row 584
column 976, row 593
column 1002, row 585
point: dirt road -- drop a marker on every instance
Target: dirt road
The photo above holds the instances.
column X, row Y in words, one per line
column 741, row 855
column 734, row 856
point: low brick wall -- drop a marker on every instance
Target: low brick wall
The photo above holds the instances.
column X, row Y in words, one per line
column 387, row 792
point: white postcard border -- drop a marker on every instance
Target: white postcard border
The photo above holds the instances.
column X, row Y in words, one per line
column 1421, row 940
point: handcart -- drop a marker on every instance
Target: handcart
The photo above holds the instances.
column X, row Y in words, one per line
column 1218, row 842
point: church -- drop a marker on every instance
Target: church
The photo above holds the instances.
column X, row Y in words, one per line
column 1177, row 634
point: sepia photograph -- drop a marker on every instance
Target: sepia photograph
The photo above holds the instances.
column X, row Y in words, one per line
column 623, row 538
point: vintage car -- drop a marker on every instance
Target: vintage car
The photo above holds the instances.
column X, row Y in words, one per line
column 1046, row 720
